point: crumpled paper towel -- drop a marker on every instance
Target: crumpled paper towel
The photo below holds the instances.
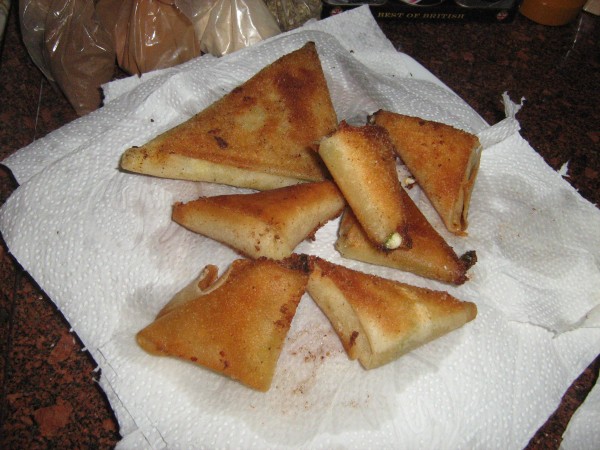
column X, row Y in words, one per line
column 103, row 247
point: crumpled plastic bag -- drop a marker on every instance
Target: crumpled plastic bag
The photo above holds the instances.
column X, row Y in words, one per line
column 148, row 34
column 291, row 14
column 155, row 34
column 78, row 43
column 68, row 44
column 224, row 26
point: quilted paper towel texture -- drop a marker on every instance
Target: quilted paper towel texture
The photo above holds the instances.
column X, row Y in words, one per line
column 487, row 386
column 102, row 245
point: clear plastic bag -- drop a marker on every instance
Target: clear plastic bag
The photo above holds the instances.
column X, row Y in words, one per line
column 77, row 43
column 224, row 26
column 71, row 48
column 148, row 34
column 291, row 14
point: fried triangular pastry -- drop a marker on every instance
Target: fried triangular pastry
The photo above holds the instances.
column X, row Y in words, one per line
column 430, row 255
column 258, row 136
column 362, row 162
column 237, row 326
column 444, row 160
column 268, row 223
column 379, row 320
column 193, row 290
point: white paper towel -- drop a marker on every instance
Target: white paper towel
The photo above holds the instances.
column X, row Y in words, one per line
column 103, row 247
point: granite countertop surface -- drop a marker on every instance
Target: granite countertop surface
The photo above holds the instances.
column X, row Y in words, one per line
column 49, row 395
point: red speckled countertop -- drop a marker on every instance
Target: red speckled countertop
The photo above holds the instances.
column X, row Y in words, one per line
column 49, row 396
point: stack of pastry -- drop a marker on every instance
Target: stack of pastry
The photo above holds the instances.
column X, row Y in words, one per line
column 278, row 134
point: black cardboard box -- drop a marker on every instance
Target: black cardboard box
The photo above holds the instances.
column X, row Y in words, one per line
column 501, row 11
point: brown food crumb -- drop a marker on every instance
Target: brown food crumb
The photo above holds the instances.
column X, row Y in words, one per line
column 222, row 143
column 353, row 337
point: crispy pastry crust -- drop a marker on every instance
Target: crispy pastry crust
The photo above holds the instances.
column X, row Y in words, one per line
column 443, row 160
column 377, row 319
column 257, row 136
column 430, row 255
column 236, row 327
column 269, row 223
column 362, row 162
